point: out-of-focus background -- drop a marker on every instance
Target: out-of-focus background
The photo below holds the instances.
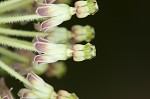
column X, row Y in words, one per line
column 121, row 67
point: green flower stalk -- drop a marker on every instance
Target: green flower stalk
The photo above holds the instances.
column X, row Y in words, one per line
column 14, row 73
column 20, row 33
column 16, row 43
column 20, row 18
column 12, row 55
column 4, row 4
column 21, row 61
column 14, row 6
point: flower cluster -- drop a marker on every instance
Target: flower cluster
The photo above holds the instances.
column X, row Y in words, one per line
column 47, row 48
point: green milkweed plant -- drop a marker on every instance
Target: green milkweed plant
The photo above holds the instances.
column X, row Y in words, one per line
column 51, row 45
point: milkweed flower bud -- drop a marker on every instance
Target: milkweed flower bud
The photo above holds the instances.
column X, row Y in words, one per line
column 83, row 33
column 39, row 89
column 85, row 8
column 62, row 94
column 58, row 13
column 51, row 52
column 83, row 52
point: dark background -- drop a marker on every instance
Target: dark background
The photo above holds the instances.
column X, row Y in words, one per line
column 121, row 67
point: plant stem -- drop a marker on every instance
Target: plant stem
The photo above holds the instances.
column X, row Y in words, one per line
column 14, row 73
column 21, row 4
column 12, row 19
column 3, row 4
column 22, row 33
column 12, row 55
column 15, row 43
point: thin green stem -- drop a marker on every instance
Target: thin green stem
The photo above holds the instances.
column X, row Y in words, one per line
column 14, row 19
column 6, row 3
column 14, row 73
column 21, row 4
column 12, row 55
column 16, row 43
column 21, row 33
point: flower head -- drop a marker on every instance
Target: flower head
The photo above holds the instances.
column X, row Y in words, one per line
column 58, row 13
column 85, row 8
